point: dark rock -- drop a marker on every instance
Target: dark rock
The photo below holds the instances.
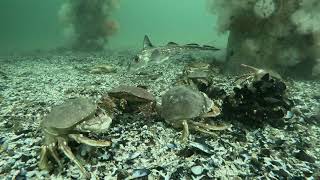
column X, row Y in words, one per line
column 32, row 167
column 291, row 127
column 160, row 168
column 278, row 144
column 186, row 152
column 282, row 173
column 269, row 168
column 214, row 92
column 2, row 140
column 231, row 156
column 179, row 173
column 6, row 168
column 265, row 152
column 257, row 166
column 239, row 135
column 276, row 163
column 308, row 173
column 122, row 174
column 302, row 144
column 303, row 156
column 23, row 131
column 24, row 158
column 277, row 123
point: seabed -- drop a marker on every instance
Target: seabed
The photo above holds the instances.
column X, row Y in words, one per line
column 145, row 147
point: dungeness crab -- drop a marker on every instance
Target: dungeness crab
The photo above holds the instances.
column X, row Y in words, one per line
column 182, row 106
column 65, row 122
column 196, row 75
column 133, row 99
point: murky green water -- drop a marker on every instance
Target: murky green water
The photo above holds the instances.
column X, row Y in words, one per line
column 35, row 24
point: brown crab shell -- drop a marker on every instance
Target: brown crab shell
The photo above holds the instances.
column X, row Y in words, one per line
column 132, row 94
column 70, row 113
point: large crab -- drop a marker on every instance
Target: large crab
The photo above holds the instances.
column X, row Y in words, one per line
column 182, row 106
column 66, row 122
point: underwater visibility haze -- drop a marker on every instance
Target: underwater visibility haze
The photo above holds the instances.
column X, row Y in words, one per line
column 122, row 89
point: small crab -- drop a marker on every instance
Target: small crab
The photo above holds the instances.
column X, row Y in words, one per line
column 256, row 75
column 196, row 75
column 133, row 99
column 67, row 121
column 182, row 105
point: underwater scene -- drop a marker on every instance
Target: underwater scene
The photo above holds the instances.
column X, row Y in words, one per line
column 160, row 90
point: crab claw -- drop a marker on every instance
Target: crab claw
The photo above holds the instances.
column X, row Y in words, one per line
column 82, row 139
column 213, row 112
column 99, row 124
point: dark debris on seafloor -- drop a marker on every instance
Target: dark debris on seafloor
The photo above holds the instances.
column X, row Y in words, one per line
column 263, row 101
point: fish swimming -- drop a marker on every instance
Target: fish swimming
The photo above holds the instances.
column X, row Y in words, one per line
column 151, row 54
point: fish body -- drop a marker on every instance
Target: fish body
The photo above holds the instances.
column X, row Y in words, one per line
column 151, row 54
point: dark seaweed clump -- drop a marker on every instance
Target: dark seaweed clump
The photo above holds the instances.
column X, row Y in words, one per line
column 263, row 101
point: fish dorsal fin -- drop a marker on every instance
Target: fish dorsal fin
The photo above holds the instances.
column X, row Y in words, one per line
column 172, row 44
column 147, row 43
column 193, row 45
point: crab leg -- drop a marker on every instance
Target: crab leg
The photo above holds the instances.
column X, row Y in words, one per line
column 55, row 155
column 62, row 143
column 207, row 129
column 85, row 140
column 185, row 131
column 43, row 162
column 199, row 129
column 250, row 67
column 245, row 77
column 210, row 127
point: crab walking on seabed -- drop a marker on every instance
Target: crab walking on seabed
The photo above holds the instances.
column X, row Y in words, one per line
column 182, row 106
column 66, row 121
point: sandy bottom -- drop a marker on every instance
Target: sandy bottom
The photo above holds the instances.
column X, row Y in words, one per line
column 143, row 146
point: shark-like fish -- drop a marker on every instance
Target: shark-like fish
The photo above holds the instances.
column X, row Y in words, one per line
column 151, row 54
